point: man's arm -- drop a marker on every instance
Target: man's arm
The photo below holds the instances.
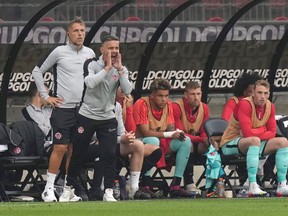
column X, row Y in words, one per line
column 120, row 127
column 244, row 117
column 41, row 68
column 270, row 125
column 177, row 116
column 96, row 73
column 142, row 123
column 125, row 84
column 228, row 109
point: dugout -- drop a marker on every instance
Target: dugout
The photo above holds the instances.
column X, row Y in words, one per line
column 213, row 42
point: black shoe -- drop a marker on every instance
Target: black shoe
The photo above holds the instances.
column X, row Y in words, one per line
column 179, row 193
column 96, row 194
column 79, row 188
column 148, row 191
column 140, row 195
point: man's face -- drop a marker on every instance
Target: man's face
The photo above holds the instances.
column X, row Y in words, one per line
column 160, row 98
column 260, row 95
column 76, row 34
column 193, row 96
column 113, row 47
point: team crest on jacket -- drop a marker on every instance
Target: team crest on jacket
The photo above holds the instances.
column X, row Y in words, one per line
column 17, row 150
column 58, row 135
column 115, row 77
column 80, row 130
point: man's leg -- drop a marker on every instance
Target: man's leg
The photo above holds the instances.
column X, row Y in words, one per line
column 136, row 150
column 107, row 136
column 62, row 121
column 182, row 149
column 280, row 145
column 152, row 154
column 93, row 155
column 84, row 132
column 251, row 147
column 189, row 170
column 53, row 168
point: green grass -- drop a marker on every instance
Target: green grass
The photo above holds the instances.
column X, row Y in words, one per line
column 192, row 207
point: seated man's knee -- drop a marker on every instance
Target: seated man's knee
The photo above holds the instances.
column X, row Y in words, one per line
column 282, row 142
column 152, row 141
column 187, row 144
column 138, row 146
column 254, row 141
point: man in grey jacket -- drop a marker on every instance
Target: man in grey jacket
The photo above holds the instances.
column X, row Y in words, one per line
column 97, row 114
column 67, row 63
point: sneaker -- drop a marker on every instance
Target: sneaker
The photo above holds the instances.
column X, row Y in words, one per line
column 282, row 190
column 192, row 189
column 177, row 192
column 243, row 193
column 146, row 190
column 77, row 185
column 68, row 195
column 96, row 194
column 139, row 195
column 212, row 194
column 108, row 195
column 255, row 191
column 48, row 195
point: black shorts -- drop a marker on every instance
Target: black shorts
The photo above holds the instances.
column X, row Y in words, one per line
column 63, row 122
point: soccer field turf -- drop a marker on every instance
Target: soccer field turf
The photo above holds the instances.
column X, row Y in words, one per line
column 199, row 207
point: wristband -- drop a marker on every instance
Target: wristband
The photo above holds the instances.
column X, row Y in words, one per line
column 168, row 134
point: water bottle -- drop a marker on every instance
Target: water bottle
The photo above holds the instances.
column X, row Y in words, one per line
column 220, row 188
column 116, row 190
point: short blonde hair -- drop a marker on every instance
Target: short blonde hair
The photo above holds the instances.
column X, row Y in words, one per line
column 77, row 19
column 262, row 83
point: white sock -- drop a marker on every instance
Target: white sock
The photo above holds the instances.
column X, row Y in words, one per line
column 134, row 180
column 65, row 181
column 50, row 180
column 282, row 183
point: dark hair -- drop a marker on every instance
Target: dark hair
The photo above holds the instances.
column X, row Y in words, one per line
column 32, row 91
column 109, row 38
column 243, row 82
column 160, row 84
column 192, row 85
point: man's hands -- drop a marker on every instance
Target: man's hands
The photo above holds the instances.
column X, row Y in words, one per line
column 128, row 138
column 112, row 59
column 128, row 100
column 54, row 101
column 118, row 63
column 107, row 60
column 177, row 134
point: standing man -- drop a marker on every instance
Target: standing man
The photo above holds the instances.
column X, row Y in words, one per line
column 67, row 63
column 190, row 114
column 251, row 131
column 97, row 114
column 155, row 123
column 128, row 149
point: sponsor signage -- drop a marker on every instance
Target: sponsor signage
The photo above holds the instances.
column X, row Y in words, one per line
column 179, row 56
